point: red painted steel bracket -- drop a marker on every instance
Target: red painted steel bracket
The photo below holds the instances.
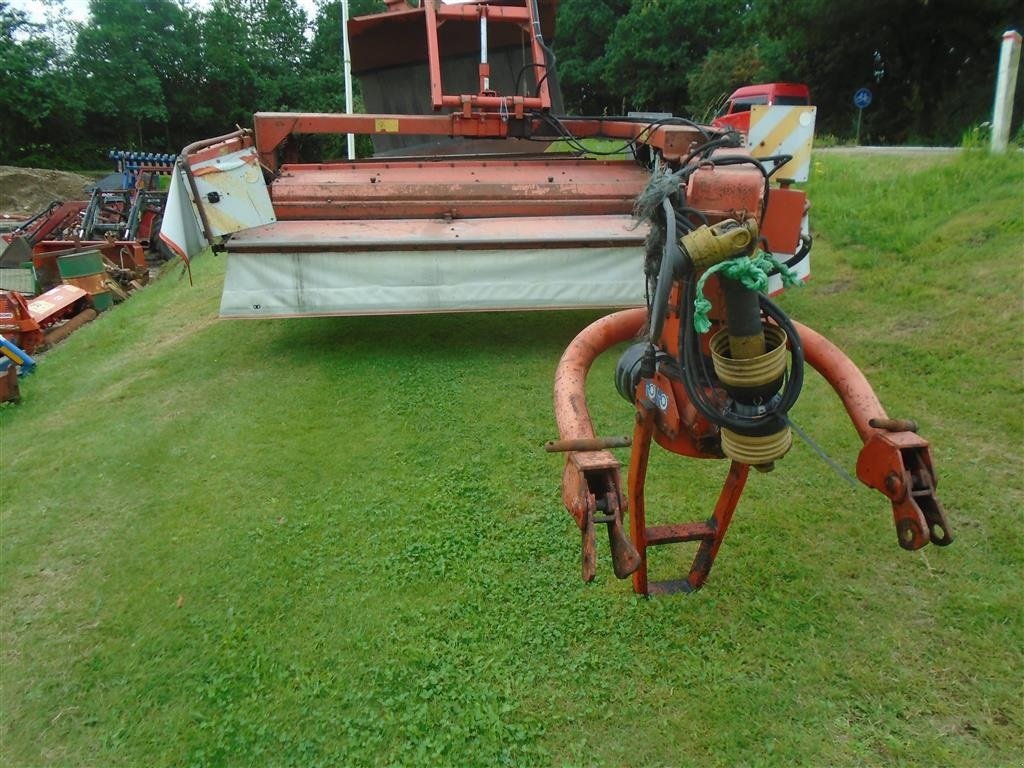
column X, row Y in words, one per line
column 894, row 460
column 899, row 464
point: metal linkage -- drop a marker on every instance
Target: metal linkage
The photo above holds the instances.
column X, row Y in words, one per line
column 735, row 404
column 894, row 460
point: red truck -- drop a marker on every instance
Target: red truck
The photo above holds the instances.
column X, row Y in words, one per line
column 736, row 111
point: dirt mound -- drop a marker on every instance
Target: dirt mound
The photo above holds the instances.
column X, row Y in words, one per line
column 27, row 190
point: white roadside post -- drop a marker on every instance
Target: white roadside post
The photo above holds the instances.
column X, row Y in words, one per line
column 347, row 66
column 1002, row 112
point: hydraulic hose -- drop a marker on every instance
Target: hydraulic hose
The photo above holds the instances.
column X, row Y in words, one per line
column 671, row 259
column 690, row 352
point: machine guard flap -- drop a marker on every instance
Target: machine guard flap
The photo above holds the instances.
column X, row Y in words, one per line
column 181, row 231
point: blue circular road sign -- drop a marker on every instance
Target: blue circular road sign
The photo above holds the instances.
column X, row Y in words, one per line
column 862, row 98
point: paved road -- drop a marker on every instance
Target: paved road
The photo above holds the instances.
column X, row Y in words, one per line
column 890, row 150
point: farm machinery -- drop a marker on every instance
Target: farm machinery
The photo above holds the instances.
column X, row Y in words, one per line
column 121, row 221
column 74, row 259
column 692, row 229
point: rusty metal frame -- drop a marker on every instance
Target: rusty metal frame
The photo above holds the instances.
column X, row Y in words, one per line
column 273, row 129
column 894, row 459
column 591, row 471
column 522, row 16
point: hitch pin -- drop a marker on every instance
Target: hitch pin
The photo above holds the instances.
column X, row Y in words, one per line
column 894, row 425
column 587, row 444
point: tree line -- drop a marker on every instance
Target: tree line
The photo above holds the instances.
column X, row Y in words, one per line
column 158, row 74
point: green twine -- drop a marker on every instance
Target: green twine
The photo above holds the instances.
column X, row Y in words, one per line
column 751, row 271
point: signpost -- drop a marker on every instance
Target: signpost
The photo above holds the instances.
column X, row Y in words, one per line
column 861, row 99
column 346, row 64
column 1002, row 111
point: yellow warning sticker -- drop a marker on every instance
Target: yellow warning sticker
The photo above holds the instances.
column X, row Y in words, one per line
column 386, row 125
column 783, row 131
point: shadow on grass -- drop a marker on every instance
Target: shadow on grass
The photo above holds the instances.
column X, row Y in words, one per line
column 499, row 335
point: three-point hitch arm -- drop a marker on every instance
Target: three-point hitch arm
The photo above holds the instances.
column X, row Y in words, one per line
column 715, row 366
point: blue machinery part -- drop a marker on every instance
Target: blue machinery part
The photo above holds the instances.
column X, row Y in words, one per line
column 17, row 356
column 128, row 163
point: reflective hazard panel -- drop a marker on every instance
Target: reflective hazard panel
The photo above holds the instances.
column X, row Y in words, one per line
column 783, row 131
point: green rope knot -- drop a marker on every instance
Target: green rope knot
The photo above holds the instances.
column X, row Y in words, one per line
column 751, row 271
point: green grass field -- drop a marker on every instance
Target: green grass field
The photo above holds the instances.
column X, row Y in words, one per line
column 339, row 542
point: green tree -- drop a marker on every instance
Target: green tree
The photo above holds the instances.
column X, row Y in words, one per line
column 41, row 110
column 582, row 32
column 228, row 94
column 278, row 34
column 137, row 64
column 929, row 63
column 324, row 79
column 323, row 61
column 658, row 43
column 252, row 54
column 722, row 71
column 161, row 73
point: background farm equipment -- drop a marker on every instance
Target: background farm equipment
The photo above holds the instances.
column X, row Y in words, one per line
column 34, row 324
column 103, row 244
column 78, row 258
column 123, row 210
column 691, row 225
column 14, row 362
column 142, row 169
column 82, row 290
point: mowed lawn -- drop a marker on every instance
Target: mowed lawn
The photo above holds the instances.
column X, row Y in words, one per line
column 339, row 541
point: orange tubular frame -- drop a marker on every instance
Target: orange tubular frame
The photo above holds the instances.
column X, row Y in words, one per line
column 592, row 475
column 894, row 460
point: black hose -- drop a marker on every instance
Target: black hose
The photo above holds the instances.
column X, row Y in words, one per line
column 522, row 70
column 687, row 211
column 754, row 426
column 649, row 127
column 801, row 253
column 670, row 260
column 541, row 82
column 729, row 140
